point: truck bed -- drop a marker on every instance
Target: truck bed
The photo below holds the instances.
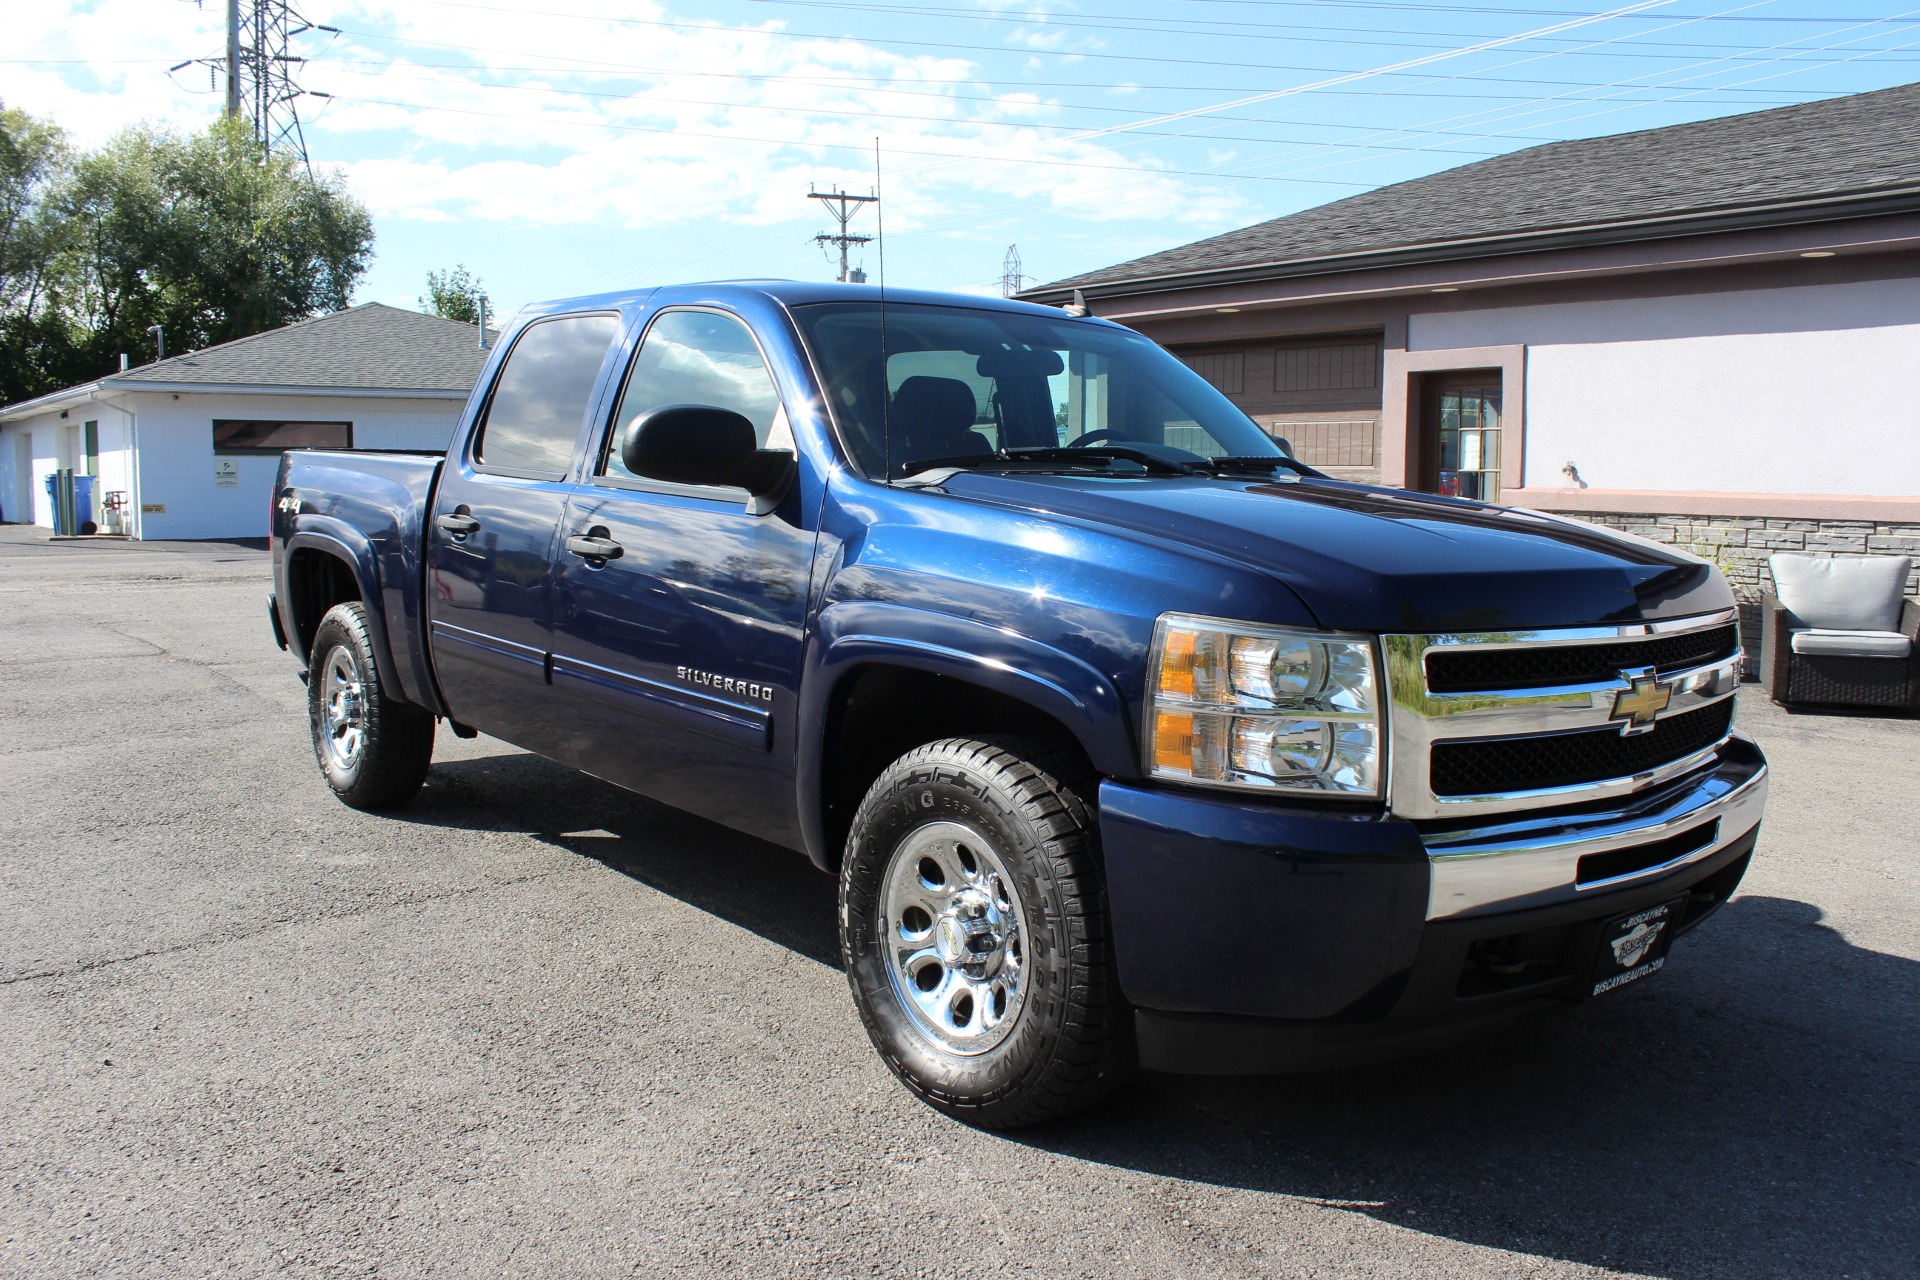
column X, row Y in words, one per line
column 376, row 505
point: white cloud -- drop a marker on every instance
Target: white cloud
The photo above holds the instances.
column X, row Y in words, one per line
column 102, row 66
column 477, row 112
column 616, row 121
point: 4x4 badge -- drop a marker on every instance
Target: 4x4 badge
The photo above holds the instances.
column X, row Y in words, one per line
column 1640, row 702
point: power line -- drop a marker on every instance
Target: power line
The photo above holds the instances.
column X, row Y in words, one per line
column 564, row 65
column 1628, row 85
column 949, row 46
column 973, row 122
column 827, row 146
column 1295, row 32
column 1398, row 6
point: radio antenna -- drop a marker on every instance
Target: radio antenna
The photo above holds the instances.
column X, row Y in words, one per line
column 880, row 243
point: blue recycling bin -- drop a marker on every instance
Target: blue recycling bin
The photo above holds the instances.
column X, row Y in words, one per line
column 72, row 499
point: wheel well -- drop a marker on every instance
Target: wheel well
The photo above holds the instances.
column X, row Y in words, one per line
column 879, row 713
column 316, row 581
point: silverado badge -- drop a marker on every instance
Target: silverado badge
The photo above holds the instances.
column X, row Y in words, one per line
column 1642, row 700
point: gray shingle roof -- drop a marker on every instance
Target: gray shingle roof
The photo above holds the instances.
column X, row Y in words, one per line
column 1858, row 144
column 372, row 347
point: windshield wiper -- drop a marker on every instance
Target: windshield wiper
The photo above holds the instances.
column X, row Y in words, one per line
column 1116, row 459
column 1111, row 459
column 1260, row 464
column 1120, row 452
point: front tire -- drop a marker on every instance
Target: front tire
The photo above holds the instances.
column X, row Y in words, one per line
column 973, row 925
column 373, row 750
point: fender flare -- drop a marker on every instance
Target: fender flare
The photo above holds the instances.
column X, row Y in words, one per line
column 343, row 542
column 862, row 633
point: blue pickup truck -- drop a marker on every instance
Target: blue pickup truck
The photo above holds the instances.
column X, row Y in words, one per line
column 1131, row 740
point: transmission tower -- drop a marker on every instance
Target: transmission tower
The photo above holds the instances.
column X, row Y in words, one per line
column 261, row 66
column 843, row 206
column 1011, row 280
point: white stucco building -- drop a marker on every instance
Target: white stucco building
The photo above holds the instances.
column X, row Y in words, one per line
column 192, row 442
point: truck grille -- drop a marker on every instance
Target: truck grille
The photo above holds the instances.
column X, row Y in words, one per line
column 1569, row 759
column 1504, row 721
column 1474, row 670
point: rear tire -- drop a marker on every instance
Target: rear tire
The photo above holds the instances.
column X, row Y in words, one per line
column 373, row 750
column 973, row 924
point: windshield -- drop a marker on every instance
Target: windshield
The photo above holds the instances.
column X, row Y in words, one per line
column 965, row 387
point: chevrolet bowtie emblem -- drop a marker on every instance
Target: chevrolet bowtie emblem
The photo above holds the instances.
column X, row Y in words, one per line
column 1642, row 700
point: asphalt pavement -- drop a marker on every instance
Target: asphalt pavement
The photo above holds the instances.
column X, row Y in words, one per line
column 535, row 1026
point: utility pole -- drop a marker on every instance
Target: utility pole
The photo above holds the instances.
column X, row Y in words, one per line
column 260, row 66
column 843, row 206
column 233, row 59
column 1011, row 280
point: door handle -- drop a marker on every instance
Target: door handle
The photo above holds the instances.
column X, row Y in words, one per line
column 591, row 546
column 456, row 523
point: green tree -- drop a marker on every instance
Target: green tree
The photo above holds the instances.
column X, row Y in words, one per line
column 36, row 341
column 456, row 295
column 207, row 234
column 33, row 155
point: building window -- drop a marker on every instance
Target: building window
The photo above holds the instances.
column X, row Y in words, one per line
column 1347, row 366
column 1330, row 442
column 1226, row 370
column 1462, row 448
column 251, row 436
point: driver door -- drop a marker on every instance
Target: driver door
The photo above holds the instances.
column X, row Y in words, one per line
column 678, row 661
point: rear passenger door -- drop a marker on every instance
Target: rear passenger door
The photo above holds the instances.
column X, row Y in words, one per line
column 496, row 521
column 678, row 661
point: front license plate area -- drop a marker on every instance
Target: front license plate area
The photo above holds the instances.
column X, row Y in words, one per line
column 1634, row 946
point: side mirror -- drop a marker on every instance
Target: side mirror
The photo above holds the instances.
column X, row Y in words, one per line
column 701, row 444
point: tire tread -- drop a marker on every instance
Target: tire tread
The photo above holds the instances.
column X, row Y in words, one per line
column 399, row 735
column 1093, row 1052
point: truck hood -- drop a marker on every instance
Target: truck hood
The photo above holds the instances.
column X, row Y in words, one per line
column 1369, row 559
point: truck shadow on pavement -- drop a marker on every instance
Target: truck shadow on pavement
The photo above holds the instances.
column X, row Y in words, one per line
column 760, row 887
column 1752, row 1112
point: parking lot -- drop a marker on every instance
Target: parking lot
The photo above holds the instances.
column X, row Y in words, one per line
column 535, row 1026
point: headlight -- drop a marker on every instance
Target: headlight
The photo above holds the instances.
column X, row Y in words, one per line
column 1236, row 704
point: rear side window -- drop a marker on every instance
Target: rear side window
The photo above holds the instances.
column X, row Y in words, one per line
column 541, row 396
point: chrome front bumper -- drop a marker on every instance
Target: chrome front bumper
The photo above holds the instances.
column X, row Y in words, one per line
column 1514, row 862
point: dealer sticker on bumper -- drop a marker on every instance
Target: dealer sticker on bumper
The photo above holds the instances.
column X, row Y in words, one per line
column 1634, row 946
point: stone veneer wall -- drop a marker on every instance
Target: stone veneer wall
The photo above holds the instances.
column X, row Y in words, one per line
column 1740, row 545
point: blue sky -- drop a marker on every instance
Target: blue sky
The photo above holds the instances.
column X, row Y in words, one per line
column 566, row 146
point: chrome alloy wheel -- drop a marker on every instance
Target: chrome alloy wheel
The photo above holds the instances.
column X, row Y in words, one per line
column 951, row 929
column 343, row 709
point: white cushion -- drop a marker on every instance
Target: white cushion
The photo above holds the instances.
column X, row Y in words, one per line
column 1851, row 644
column 1841, row 593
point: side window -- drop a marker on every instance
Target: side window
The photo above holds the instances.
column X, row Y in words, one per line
column 698, row 357
column 541, row 395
